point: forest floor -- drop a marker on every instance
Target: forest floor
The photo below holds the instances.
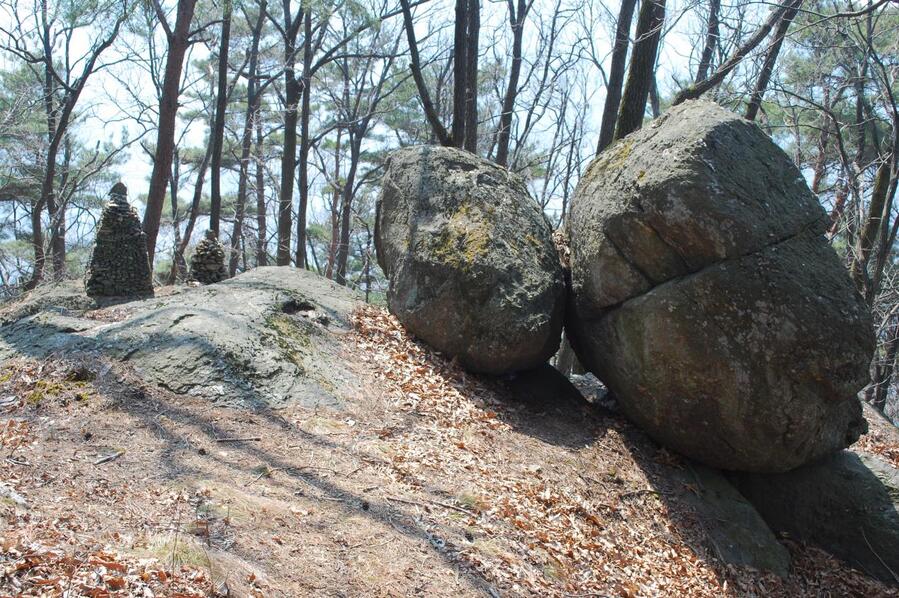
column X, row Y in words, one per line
column 429, row 483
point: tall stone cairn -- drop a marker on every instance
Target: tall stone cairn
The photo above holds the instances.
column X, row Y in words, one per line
column 207, row 266
column 119, row 263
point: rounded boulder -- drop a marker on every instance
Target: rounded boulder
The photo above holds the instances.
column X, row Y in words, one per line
column 706, row 296
column 470, row 260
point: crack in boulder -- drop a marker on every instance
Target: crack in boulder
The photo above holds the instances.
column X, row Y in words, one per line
column 705, row 296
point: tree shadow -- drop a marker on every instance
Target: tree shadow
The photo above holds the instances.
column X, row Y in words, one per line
column 544, row 404
column 840, row 503
column 150, row 408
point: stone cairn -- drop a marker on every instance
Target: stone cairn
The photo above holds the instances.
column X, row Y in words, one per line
column 119, row 265
column 207, row 266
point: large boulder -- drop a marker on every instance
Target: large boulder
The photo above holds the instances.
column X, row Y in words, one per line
column 470, row 260
column 706, row 297
column 847, row 503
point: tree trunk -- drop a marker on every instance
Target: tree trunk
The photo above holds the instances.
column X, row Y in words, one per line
column 261, row 216
column 58, row 213
column 886, row 241
column 179, row 266
column 305, row 144
column 347, row 206
column 870, row 229
column 711, row 40
column 218, row 128
column 642, row 69
column 246, row 143
column 504, row 133
column 471, row 75
column 883, row 372
column 460, row 78
column 616, row 74
column 427, row 104
column 194, row 208
column 839, row 206
column 761, row 84
column 168, row 109
column 700, row 87
column 335, row 211
column 289, row 153
column 821, row 158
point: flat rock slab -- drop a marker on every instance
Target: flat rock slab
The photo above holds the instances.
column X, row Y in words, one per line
column 736, row 533
column 263, row 339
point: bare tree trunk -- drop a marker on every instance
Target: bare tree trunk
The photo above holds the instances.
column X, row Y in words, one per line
column 179, row 266
column 178, row 42
column 58, row 118
column 642, row 69
column 58, row 216
column 194, row 209
column 460, row 79
column 870, row 229
column 289, row 153
column 218, row 128
column 261, row 216
column 304, row 142
column 504, row 132
column 347, row 205
column 700, row 87
column 616, row 74
column 711, row 40
column 246, row 143
column 761, row 84
column 335, row 211
column 821, row 158
column 883, row 372
column 471, row 77
column 886, row 241
column 53, row 130
column 839, row 206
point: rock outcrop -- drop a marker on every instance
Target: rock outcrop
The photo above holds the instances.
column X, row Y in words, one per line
column 704, row 294
column 119, row 264
column 470, row 260
column 263, row 339
column 847, row 503
column 736, row 533
column 207, row 265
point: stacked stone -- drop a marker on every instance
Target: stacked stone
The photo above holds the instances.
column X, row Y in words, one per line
column 207, row 266
column 119, row 265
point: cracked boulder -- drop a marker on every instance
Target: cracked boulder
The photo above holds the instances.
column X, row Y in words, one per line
column 705, row 295
column 470, row 260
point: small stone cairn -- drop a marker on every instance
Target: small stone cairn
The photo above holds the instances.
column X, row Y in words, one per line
column 119, row 265
column 207, row 266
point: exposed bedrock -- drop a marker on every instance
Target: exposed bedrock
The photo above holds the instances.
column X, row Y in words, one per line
column 846, row 503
